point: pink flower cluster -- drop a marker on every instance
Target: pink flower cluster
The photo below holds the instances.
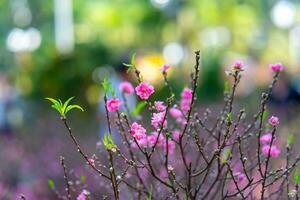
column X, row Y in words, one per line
column 83, row 195
column 126, row 87
column 186, row 98
column 158, row 119
column 113, row 104
column 159, row 106
column 276, row 67
column 137, row 131
column 144, row 90
column 274, row 152
column 151, row 140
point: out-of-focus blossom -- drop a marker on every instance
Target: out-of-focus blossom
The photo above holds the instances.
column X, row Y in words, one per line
column 144, row 90
column 185, row 105
column 158, row 119
column 170, row 146
column 276, row 67
column 126, row 87
column 176, row 135
column 240, row 177
column 187, row 94
column 159, row 106
column 274, row 121
column 153, row 137
column 137, row 131
column 266, row 138
column 238, row 65
column 174, row 112
column 142, row 143
column 165, row 67
column 274, row 152
column 83, row 195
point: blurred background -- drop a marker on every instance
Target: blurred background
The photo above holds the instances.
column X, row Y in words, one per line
column 64, row 48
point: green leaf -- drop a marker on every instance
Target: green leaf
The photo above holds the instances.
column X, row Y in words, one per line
column 297, row 177
column 112, row 92
column 265, row 115
column 65, row 105
column 290, row 139
column 133, row 59
column 106, row 85
column 108, row 142
column 229, row 117
column 149, row 196
column 52, row 100
column 226, row 155
column 136, row 111
column 71, row 107
column 63, row 108
column 82, row 179
column 51, row 184
column 226, row 86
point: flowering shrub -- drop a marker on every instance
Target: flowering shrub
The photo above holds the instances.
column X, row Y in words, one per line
column 187, row 154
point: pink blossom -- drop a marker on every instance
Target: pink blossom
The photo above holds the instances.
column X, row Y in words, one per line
column 142, row 143
column 137, row 131
column 126, row 87
column 276, row 67
column 159, row 106
column 165, row 67
column 157, row 119
column 274, row 150
column 83, row 195
column 266, row 138
column 113, row 104
column 274, row 121
column 170, row 146
column 185, row 105
column 176, row 135
column 174, row 112
column 238, row 65
column 91, row 161
column 153, row 137
column 240, row 176
column 187, row 94
column 144, row 90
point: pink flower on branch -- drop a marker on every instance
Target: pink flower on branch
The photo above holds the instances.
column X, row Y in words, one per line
column 274, row 152
column 174, row 112
column 113, row 104
column 187, row 94
column 158, row 119
column 159, row 106
column 165, row 67
column 274, row 121
column 238, row 65
column 137, row 131
column 276, row 67
column 83, row 195
column 126, row 87
column 153, row 137
column 266, row 138
column 144, row 90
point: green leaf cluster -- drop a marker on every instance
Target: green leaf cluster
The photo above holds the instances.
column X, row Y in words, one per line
column 108, row 142
column 226, row 155
column 63, row 108
column 131, row 66
column 136, row 111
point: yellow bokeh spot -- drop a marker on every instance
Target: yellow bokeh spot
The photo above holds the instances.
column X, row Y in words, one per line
column 149, row 66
